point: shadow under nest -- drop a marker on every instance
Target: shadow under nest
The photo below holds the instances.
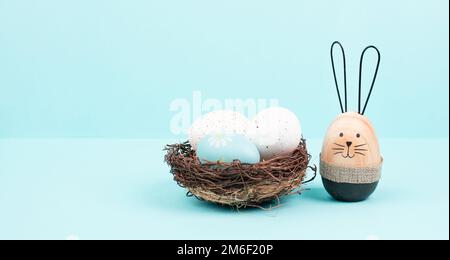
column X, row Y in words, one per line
column 237, row 184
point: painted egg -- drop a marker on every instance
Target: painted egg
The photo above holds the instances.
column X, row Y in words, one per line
column 226, row 148
column 218, row 122
column 350, row 161
column 275, row 131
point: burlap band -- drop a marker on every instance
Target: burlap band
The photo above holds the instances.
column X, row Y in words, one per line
column 350, row 175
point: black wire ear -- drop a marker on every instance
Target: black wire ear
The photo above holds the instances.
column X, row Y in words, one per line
column 373, row 80
column 345, row 76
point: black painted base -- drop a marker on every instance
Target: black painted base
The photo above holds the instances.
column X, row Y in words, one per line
column 349, row 192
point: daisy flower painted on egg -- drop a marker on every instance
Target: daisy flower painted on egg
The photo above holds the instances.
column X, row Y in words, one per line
column 219, row 139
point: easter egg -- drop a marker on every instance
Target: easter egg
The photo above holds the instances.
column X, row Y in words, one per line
column 217, row 122
column 275, row 131
column 350, row 161
column 226, row 148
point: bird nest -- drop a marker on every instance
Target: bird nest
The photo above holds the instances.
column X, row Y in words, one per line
column 237, row 184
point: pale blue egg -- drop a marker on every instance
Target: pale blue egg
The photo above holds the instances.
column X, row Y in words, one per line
column 227, row 148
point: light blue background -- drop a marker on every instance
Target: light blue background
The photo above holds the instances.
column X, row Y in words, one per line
column 106, row 71
column 119, row 189
column 111, row 68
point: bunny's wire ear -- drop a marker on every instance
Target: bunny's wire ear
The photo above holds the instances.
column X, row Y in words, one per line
column 373, row 80
column 345, row 76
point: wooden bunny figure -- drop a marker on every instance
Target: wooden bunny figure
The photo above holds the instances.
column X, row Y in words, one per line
column 350, row 161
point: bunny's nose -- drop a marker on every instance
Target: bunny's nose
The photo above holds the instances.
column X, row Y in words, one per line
column 349, row 143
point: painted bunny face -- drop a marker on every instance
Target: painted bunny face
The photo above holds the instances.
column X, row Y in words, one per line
column 351, row 142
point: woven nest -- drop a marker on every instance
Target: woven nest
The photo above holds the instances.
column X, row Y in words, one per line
column 237, row 184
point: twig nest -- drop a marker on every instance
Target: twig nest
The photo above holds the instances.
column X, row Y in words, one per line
column 237, row 184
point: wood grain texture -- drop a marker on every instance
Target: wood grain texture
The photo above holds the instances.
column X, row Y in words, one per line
column 351, row 142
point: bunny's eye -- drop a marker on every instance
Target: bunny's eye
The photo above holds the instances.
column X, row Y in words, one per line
column 341, row 134
column 358, row 135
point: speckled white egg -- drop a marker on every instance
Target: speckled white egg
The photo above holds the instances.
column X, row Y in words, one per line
column 217, row 122
column 275, row 131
